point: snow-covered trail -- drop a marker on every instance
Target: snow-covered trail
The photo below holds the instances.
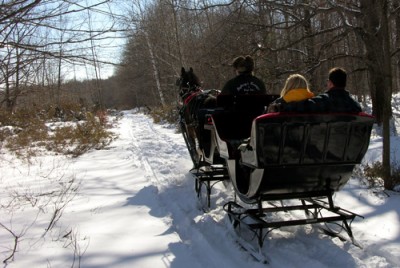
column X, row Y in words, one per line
column 144, row 163
column 136, row 207
column 167, row 163
column 207, row 236
column 141, row 191
column 125, row 200
column 150, row 181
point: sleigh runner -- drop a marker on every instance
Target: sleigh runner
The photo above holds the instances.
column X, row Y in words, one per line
column 303, row 158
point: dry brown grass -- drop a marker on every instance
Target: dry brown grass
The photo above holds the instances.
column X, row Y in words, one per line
column 65, row 131
column 168, row 114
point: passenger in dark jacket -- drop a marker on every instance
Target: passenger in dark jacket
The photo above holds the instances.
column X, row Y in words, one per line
column 245, row 83
column 335, row 99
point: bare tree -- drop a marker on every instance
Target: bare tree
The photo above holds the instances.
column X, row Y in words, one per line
column 47, row 31
column 375, row 34
column 395, row 32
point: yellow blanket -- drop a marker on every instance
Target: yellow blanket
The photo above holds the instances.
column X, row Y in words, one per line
column 298, row 95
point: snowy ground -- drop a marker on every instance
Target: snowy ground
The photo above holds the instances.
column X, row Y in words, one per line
column 134, row 205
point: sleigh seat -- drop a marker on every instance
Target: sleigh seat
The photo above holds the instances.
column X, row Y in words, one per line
column 301, row 154
column 233, row 118
column 304, row 158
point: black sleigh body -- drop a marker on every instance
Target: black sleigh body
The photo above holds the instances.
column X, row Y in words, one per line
column 296, row 154
column 303, row 158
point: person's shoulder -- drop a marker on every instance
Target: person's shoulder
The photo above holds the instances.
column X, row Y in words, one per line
column 233, row 79
column 230, row 82
column 340, row 100
column 279, row 100
column 260, row 83
column 276, row 105
column 337, row 92
column 315, row 104
column 320, row 96
column 237, row 80
column 340, row 93
column 293, row 106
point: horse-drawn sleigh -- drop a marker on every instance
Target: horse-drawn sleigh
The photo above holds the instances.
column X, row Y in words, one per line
column 299, row 157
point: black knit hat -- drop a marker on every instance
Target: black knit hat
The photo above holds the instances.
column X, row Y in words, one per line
column 243, row 64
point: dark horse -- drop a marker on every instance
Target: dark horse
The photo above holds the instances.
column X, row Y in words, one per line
column 194, row 102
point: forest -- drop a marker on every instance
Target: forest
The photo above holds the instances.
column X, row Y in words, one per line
column 285, row 37
column 305, row 36
column 43, row 42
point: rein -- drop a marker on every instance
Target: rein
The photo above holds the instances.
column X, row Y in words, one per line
column 189, row 85
column 189, row 90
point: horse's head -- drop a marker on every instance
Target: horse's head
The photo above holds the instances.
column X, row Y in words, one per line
column 188, row 82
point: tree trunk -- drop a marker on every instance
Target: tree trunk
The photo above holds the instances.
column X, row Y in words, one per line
column 155, row 70
column 310, row 60
column 396, row 32
column 375, row 33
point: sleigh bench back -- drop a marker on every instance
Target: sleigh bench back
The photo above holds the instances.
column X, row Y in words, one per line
column 306, row 152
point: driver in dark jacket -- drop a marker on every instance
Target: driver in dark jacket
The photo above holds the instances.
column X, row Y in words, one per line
column 244, row 83
column 335, row 99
